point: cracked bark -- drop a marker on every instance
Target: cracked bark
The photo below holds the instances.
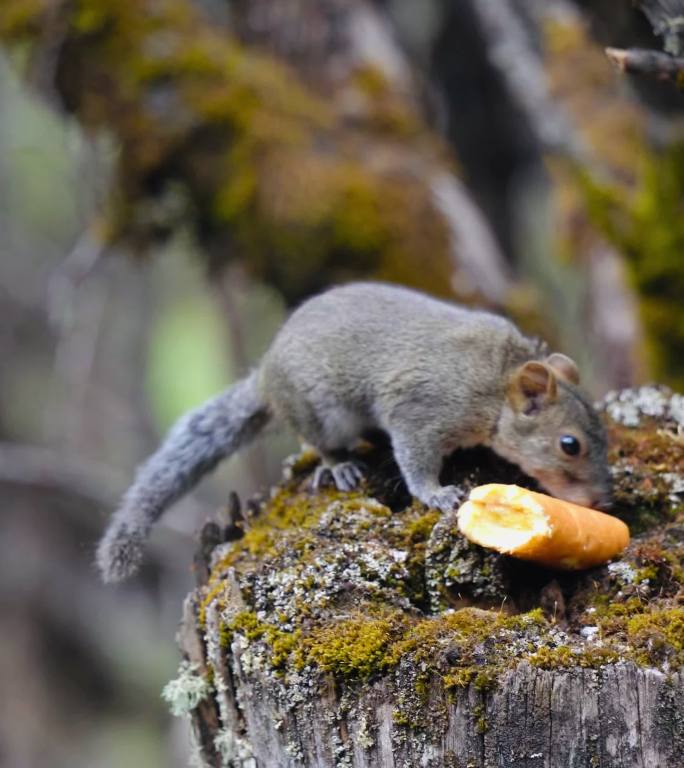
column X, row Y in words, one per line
column 599, row 732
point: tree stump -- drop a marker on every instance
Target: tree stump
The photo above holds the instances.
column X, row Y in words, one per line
column 360, row 629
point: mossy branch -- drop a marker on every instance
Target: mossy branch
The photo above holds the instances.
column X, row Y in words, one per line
column 654, row 64
column 230, row 143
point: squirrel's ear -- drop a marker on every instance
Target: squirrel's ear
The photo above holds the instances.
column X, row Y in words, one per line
column 564, row 366
column 531, row 385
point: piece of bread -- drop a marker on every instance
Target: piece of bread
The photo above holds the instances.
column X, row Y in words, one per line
column 537, row 527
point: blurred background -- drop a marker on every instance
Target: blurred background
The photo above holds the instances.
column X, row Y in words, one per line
column 176, row 174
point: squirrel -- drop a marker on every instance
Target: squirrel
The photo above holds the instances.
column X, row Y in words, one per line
column 432, row 375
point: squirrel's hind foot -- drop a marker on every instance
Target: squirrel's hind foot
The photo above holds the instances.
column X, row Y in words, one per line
column 345, row 475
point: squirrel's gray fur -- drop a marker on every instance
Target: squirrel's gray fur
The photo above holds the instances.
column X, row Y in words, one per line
column 193, row 447
column 432, row 375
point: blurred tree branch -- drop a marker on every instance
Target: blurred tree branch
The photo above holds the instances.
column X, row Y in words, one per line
column 667, row 20
column 49, row 468
column 77, row 265
column 640, row 61
column 510, row 49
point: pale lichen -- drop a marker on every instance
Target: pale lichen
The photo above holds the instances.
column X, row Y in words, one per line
column 187, row 690
column 630, row 406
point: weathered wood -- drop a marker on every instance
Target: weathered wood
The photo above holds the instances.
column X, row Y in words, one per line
column 618, row 715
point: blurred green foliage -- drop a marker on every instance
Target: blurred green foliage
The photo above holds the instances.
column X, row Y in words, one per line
column 39, row 152
column 646, row 224
column 188, row 360
column 126, row 742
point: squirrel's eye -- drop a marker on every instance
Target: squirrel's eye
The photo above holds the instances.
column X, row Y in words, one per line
column 570, row 445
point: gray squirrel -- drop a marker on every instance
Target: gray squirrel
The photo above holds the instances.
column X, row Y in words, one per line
column 369, row 356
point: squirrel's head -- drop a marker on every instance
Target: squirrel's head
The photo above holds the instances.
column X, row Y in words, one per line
column 549, row 428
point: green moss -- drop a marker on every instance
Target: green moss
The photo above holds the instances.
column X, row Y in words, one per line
column 674, row 561
column 287, row 510
column 610, row 615
column 649, row 573
column 461, row 677
column 666, row 626
column 482, row 679
column 425, row 636
column 462, row 631
column 524, row 621
column 355, row 647
column 422, row 687
column 281, row 643
column 21, row 19
column 399, row 717
column 419, row 529
column 376, row 640
column 563, row 657
column 259, row 541
column 480, row 718
column 213, row 592
column 636, row 629
column 303, row 462
column 225, row 635
column 485, row 679
column 247, row 623
column 642, row 496
column 384, row 109
column 554, row 658
column 411, row 534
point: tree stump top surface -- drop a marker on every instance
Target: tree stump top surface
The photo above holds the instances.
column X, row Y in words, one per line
column 361, row 629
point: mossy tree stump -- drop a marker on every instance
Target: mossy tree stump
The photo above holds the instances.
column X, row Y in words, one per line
column 359, row 629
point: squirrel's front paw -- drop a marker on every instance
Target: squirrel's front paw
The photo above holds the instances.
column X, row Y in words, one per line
column 346, row 476
column 446, row 499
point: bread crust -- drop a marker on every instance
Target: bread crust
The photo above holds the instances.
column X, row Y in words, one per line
column 541, row 528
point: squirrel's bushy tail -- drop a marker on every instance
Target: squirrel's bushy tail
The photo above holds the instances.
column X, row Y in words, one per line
column 193, row 447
